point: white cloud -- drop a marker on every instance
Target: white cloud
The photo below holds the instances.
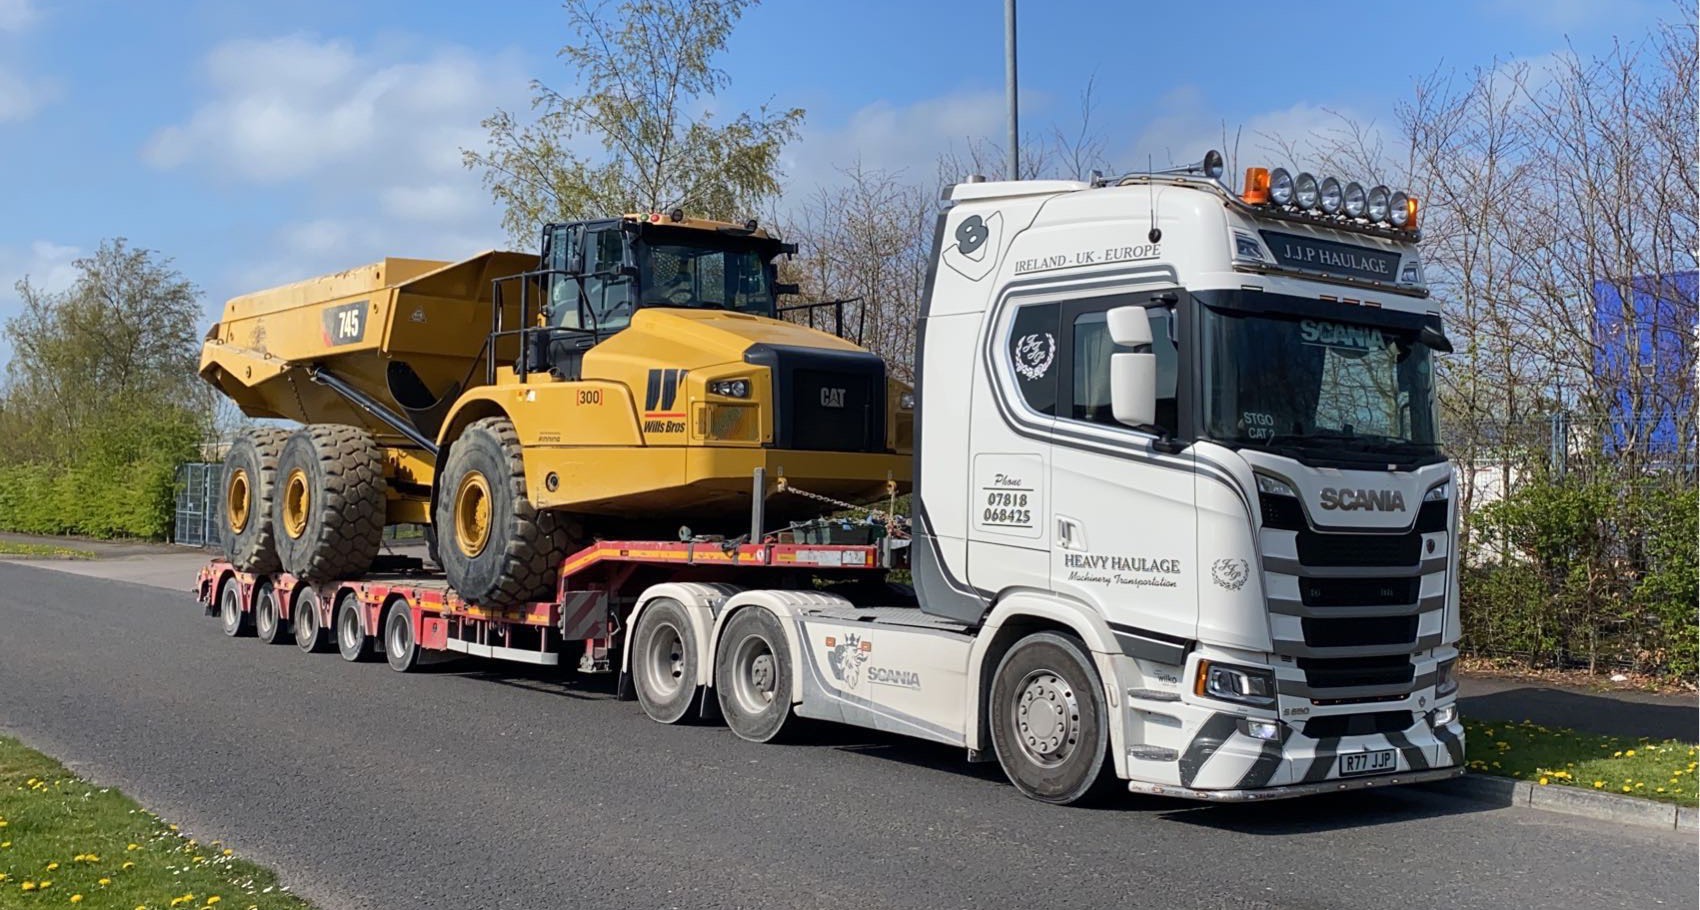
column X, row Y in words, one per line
column 1569, row 14
column 17, row 15
column 46, row 264
column 1183, row 129
column 365, row 140
column 896, row 138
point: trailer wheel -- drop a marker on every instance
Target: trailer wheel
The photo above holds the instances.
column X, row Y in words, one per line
column 231, row 618
column 752, row 676
column 309, row 630
column 1049, row 724
column 246, row 533
column 664, row 661
column 268, row 624
column 329, row 505
column 401, row 643
column 351, row 639
column 496, row 547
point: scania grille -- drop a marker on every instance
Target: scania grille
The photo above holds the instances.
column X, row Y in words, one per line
column 1359, row 592
column 1358, row 632
column 1335, row 550
column 1354, row 672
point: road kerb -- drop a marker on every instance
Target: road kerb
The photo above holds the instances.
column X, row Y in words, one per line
column 1623, row 810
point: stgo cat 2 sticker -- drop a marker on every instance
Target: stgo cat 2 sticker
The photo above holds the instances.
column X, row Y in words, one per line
column 971, row 248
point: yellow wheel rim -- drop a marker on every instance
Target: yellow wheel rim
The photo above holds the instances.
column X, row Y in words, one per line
column 237, row 501
column 296, row 503
column 472, row 514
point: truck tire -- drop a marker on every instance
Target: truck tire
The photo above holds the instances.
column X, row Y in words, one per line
column 752, row 676
column 496, row 548
column 352, row 641
column 1050, row 726
column 268, row 622
column 307, row 621
column 328, row 508
column 231, row 617
column 250, row 469
column 664, row 661
column 401, row 641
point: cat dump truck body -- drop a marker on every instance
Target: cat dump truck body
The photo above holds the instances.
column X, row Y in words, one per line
column 631, row 379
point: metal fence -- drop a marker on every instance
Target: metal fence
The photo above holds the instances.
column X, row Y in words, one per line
column 198, row 502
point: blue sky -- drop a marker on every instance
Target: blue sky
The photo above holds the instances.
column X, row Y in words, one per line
column 258, row 143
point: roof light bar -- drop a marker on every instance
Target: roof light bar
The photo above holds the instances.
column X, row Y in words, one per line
column 1327, row 199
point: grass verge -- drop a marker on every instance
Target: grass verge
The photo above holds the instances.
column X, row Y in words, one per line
column 1549, row 756
column 65, row 842
column 42, row 551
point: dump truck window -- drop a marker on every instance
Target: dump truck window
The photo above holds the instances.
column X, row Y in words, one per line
column 607, row 292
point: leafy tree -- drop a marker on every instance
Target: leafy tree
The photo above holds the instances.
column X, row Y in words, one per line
column 646, row 73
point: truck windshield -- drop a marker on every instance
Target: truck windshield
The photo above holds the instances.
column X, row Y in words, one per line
column 726, row 278
column 1288, row 372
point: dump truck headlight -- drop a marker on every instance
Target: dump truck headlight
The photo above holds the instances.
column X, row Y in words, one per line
column 1244, row 685
column 730, row 388
column 906, row 401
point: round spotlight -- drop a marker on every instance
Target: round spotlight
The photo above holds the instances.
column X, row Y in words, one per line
column 1354, row 199
column 1376, row 206
column 1304, row 191
column 1329, row 196
column 1280, row 186
column 1397, row 211
column 1213, row 164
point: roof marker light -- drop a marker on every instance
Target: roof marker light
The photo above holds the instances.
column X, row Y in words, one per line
column 1256, row 190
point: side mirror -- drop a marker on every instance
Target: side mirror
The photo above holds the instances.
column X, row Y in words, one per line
column 1133, row 375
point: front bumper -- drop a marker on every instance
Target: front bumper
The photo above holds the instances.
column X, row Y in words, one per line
column 1337, row 785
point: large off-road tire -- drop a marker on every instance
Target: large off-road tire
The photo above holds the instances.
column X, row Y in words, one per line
column 245, row 521
column 496, row 548
column 1050, row 725
column 328, row 506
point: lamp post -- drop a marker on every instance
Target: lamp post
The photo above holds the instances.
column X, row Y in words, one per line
column 1009, row 88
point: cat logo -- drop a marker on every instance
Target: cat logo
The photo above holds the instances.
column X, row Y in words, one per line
column 832, row 398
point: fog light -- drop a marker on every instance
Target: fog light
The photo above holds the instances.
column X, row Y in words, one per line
column 1444, row 715
column 906, row 401
column 1263, row 729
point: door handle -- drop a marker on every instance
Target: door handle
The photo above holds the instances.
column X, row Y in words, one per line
column 1070, row 536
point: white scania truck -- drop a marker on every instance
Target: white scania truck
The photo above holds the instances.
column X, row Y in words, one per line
column 1181, row 525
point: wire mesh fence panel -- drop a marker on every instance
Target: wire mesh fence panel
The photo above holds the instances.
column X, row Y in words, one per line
column 198, row 501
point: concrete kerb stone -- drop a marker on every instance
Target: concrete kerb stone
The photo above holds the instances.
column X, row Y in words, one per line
column 1623, row 810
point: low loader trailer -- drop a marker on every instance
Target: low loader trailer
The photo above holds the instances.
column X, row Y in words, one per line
column 1180, row 522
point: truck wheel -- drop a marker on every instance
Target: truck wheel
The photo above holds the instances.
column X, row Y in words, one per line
column 245, row 527
column 309, row 631
column 664, row 661
column 401, row 644
column 1049, row 723
column 351, row 640
column 329, row 504
column 268, row 625
column 752, row 676
column 231, row 618
column 495, row 547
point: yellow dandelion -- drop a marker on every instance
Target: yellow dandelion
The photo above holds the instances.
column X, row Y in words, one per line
column 1543, row 781
column 52, row 866
column 1629, row 754
column 46, row 884
column 212, row 900
column 172, row 827
column 1627, row 788
column 228, row 852
column 76, row 898
column 128, row 866
column 5, row 845
column 1658, row 790
column 1599, row 784
column 27, row 886
column 104, row 882
column 133, row 847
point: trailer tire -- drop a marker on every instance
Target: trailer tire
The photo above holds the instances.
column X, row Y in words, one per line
column 328, row 508
column 1050, row 726
column 352, row 642
column 752, row 676
column 268, row 621
column 307, row 621
column 496, row 548
column 401, row 639
column 232, row 619
column 246, row 533
column 664, row 661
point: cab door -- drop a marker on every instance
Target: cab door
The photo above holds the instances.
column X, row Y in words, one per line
column 1125, row 522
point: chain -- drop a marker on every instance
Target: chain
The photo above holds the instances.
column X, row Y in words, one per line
column 785, row 486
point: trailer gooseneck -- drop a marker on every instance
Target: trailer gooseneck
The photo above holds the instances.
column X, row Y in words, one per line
column 1181, row 525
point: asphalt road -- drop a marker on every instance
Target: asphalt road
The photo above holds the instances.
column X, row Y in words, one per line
column 480, row 785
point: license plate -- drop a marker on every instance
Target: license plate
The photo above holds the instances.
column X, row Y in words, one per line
column 1368, row 762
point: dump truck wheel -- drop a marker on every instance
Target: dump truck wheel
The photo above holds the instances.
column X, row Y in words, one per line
column 496, row 547
column 245, row 528
column 328, row 502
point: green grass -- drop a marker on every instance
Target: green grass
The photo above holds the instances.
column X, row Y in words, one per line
column 42, row 551
column 65, row 842
column 1550, row 756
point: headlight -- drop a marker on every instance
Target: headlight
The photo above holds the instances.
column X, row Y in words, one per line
column 1353, row 200
column 1444, row 715
column 1436, row 494
column 1376, row 205
column 1244, row 685
column 1398, row 211
column 1445, row 683
column 906, row 401
column 1280, row 186
column 1267, row 484
column 1304, row 190
column 1329, row 196
column 730, row 388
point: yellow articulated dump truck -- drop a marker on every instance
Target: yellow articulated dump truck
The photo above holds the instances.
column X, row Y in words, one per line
column 630, row 379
